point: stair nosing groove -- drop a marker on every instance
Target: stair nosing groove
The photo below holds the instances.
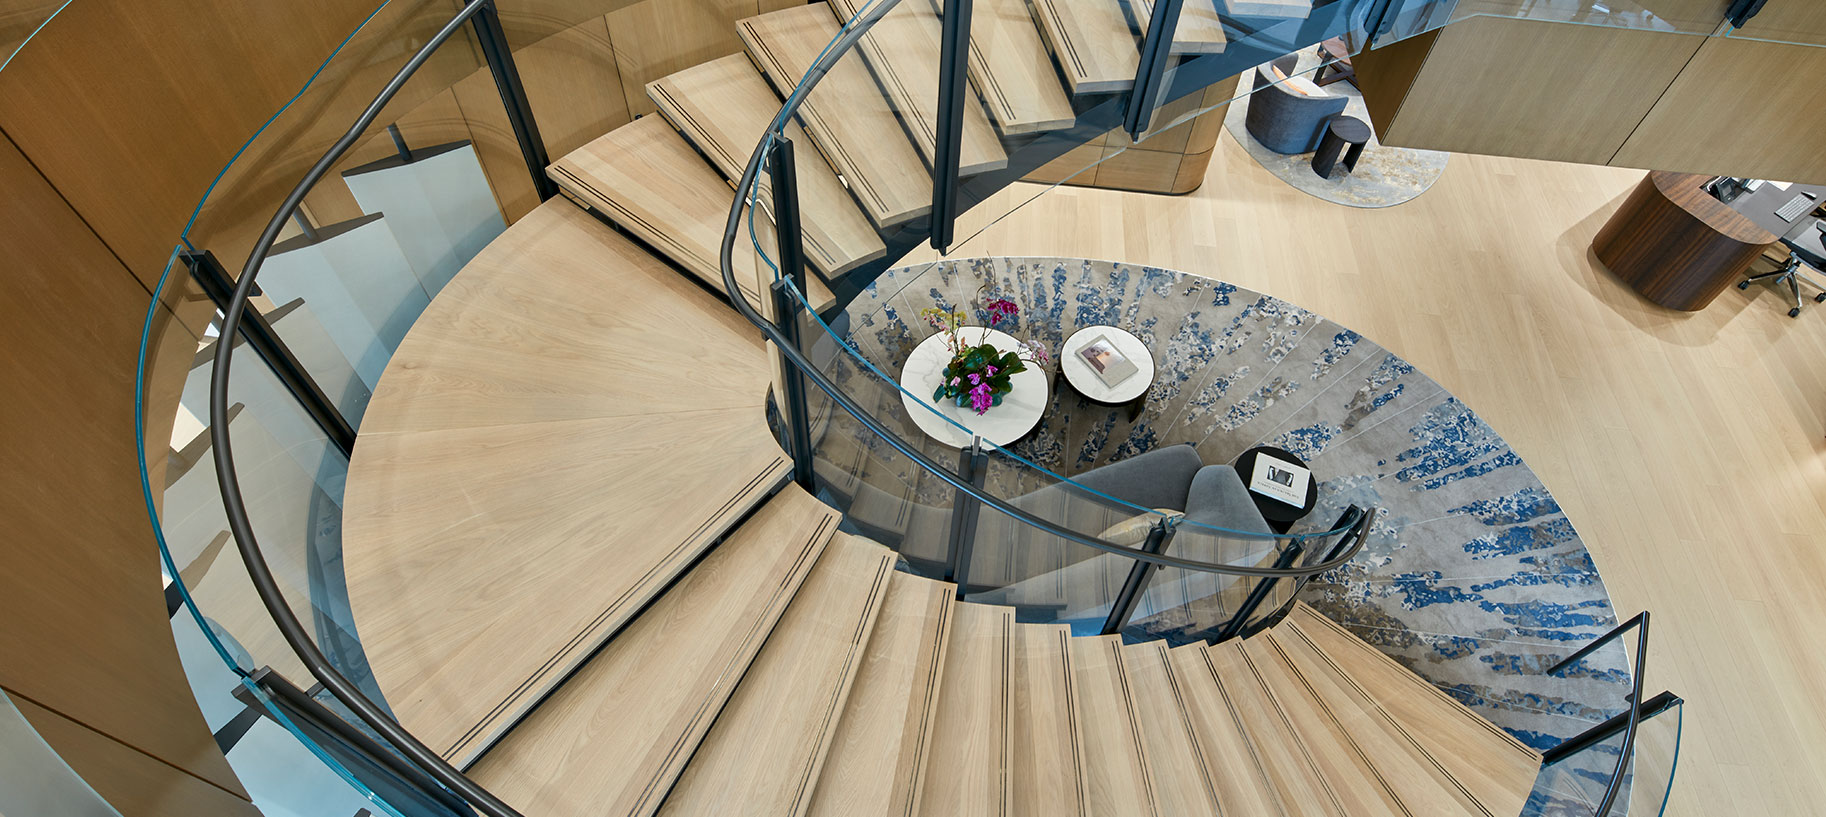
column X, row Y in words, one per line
column 859, row 639
column 1236, row 721
column 934, row 678
column 463, row 740
column 1071, row 710
column 1391, row 720
column 1326, row 711
column 1293, row 735
column 1007, row 732
column 1185, row 720
column 1128, row 703
column 825, row 527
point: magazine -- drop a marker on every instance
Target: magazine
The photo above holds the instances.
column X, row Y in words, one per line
column 1111, row 366
column 1277, row 478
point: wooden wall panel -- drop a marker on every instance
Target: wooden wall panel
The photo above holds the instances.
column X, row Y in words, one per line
column 1386, row 74
column 654, row 38
column 1537, row 90
column 19, row 18
column 574, row 89
column 86, row 634
column 1743, row 108
column 130, row 115
column 133, row 783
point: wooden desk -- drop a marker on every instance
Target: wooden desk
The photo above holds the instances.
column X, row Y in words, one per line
column 1675, row 244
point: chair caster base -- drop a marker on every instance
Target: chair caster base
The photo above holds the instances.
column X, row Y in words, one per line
column 1820, row 298
column 1795, row 312
column 1743, row 284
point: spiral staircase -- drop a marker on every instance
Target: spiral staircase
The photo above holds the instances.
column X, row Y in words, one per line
column 584, row 572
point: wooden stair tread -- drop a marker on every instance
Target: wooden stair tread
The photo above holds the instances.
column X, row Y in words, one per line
column 1340, row 760
column 1232, row 763
column 1092, row 42
column 724, row 106
column 878, row 757
column 764, row 752
column 1047, row 780
column 494, row 533
column 967, row 773
column 617, row 734
column 1297, row 783
column 1200, row 30
column 1277, row 9
column 1010, row 68
column 1115, row 764
column 1498, row 770
column 645, row 177
column 1176, row 768
column 1418, row 782
column 903, row 51
column 847, row 116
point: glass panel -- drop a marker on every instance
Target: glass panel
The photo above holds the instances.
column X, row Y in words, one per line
column 21, row 22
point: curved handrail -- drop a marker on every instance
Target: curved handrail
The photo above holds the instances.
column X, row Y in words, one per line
column 1639, row 622
column 234, row 505
column 1356, row 520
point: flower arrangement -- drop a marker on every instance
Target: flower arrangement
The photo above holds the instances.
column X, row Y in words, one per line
column 979, row 374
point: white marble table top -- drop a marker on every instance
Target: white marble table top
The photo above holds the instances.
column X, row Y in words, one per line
column 1020, row 409
column 1086, row 380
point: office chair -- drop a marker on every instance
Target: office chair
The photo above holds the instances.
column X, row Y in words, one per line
column 1804, row 247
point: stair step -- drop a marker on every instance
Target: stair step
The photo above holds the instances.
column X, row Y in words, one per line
column 846, row 114
column 724, row 106
column 763, row 755
column 1200, row 30
column 1093, row 43
column 616, row 735
column 1498, row 770
column 645, row 177
column 1273, row 9
column 1232, row 763
column 1176, row 767
column 1421, row 785
column 1297, row 783
column 879, row 755
column 1047, row 780
column 1342, row 762
column 968, row 771
column 903, row 51
column 1115, row 763
column 1010, row 68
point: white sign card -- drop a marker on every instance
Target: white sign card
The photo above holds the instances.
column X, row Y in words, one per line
column 1279, row 479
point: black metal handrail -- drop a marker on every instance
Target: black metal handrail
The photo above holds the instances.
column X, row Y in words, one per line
column 1639, row 623
column 493, row 43
column 1355, row 525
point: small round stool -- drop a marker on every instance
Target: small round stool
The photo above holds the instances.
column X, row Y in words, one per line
column 1340, row 131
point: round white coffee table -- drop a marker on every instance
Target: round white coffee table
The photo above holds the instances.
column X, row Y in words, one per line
column 1019, row 412
column 1131, row 391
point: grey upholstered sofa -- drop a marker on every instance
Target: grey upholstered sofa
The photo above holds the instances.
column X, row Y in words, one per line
column 1284, row 120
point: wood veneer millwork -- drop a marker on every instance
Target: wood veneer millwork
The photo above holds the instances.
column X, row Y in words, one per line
column 1675, row 244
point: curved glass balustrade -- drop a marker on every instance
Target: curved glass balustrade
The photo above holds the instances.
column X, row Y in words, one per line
column 438, row 171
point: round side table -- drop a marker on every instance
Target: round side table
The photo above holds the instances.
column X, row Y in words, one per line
column 1279, row 515
column 1077, row 373
column 1020, row 409
column 1340, row 131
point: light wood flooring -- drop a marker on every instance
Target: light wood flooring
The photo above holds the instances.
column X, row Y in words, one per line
column 1688, row 449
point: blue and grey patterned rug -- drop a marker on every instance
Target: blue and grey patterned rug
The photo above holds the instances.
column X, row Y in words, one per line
column 1473, row 576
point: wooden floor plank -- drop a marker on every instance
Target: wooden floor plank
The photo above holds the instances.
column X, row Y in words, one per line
column 847, row 116
column 645, row 177
column 723, row 106
column 617, row 734
column 878, row 758
column 968, row 772
column 903, row 52
column 763, row 755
